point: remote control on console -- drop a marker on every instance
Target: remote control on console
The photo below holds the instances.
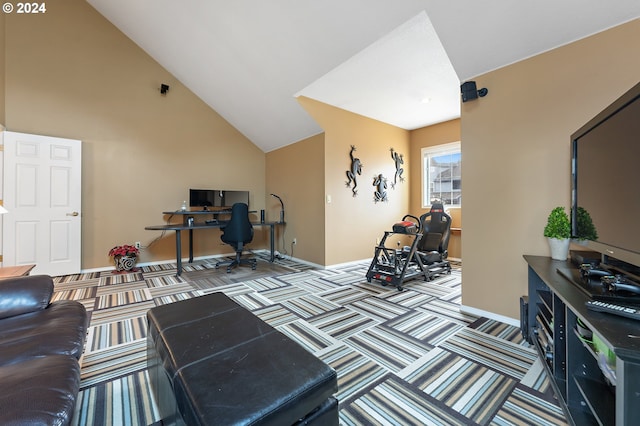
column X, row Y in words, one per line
column 613, row 308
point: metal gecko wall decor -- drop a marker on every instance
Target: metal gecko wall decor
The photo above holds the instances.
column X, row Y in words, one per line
column 380, row 194
column 352, row 174
column 399, row 161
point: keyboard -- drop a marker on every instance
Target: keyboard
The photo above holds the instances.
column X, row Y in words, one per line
column 614, row 308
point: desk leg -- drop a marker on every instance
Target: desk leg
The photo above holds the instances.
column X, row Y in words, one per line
column 190, row 245
column 272, row 243
column 178, row 253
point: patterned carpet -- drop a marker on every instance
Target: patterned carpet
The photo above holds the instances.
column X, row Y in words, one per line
column 402, row 358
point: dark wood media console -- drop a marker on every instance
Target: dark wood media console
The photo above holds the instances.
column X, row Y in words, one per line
column 556, row 305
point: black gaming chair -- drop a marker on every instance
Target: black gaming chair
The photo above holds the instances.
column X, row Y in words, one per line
column 238, row 232
column 435, row 227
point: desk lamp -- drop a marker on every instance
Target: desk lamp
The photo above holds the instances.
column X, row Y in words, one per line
column 281, row 208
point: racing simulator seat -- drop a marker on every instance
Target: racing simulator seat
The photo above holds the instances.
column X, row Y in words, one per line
column 425, row 257
column 433, row 246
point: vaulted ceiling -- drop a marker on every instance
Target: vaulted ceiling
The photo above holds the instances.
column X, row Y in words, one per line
column 400, row 62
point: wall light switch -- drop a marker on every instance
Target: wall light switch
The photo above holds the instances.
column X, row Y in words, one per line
column 328, row 199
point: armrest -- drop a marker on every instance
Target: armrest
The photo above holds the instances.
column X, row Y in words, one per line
column 20, row 295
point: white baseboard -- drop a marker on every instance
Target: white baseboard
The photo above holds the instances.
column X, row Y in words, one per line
column 185, row 260
column 490, row 315
column 346, row 264
column 304, row 262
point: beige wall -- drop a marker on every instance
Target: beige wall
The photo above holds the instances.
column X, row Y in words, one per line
column 516, row 155
column 2, row 68
column 438, row 134
column 296, row 174
column 351, row 224
column 70, row 73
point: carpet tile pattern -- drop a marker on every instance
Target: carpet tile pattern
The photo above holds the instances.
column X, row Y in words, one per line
column 402, row 358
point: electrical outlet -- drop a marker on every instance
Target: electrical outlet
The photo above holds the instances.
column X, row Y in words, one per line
column 138, row 245
column 295, row 241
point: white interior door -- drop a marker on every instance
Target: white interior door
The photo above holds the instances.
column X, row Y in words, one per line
column 42, row 192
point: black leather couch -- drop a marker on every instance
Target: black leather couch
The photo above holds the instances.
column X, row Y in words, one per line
column 40, row 344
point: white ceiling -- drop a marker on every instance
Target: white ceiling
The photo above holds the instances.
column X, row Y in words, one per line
column 400, row 62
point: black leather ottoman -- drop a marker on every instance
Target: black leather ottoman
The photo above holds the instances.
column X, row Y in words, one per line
column 212, row 362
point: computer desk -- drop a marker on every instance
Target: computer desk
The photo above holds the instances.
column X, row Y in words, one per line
column 178, row 228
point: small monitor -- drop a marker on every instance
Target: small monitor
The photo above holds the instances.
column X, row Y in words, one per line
column 229, row 198
column 202, row 198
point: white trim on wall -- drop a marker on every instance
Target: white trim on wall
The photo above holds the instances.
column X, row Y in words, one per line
column 480, row 313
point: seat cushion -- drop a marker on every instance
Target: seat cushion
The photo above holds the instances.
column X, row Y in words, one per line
column 39, row 391
column 269, row 380
column 431, row 242
column 429, row 258
column 60, row 329
column 227, row 366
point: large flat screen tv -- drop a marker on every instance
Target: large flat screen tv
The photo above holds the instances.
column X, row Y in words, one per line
column 606, row 178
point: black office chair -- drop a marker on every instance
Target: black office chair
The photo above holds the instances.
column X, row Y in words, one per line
column 238, row 232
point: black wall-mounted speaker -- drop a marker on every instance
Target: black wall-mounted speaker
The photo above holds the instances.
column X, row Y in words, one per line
column 469, row 91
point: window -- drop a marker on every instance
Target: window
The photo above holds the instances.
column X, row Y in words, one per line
column 441, row 175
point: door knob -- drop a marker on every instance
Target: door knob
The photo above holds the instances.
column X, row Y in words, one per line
column 73, row 214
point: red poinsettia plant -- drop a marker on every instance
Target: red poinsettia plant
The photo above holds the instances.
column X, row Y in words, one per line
column 125, row 250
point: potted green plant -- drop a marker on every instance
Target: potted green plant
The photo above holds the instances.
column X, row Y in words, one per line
column 558, row 233
column 585, row 229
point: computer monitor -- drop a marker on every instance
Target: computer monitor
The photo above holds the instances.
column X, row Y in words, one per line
column 229, row 198
column 203, row 198
column 220, row 198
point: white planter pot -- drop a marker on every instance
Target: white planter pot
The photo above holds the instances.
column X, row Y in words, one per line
column 559, row 248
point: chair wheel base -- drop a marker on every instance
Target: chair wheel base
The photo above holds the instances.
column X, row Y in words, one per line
column 231, row 264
